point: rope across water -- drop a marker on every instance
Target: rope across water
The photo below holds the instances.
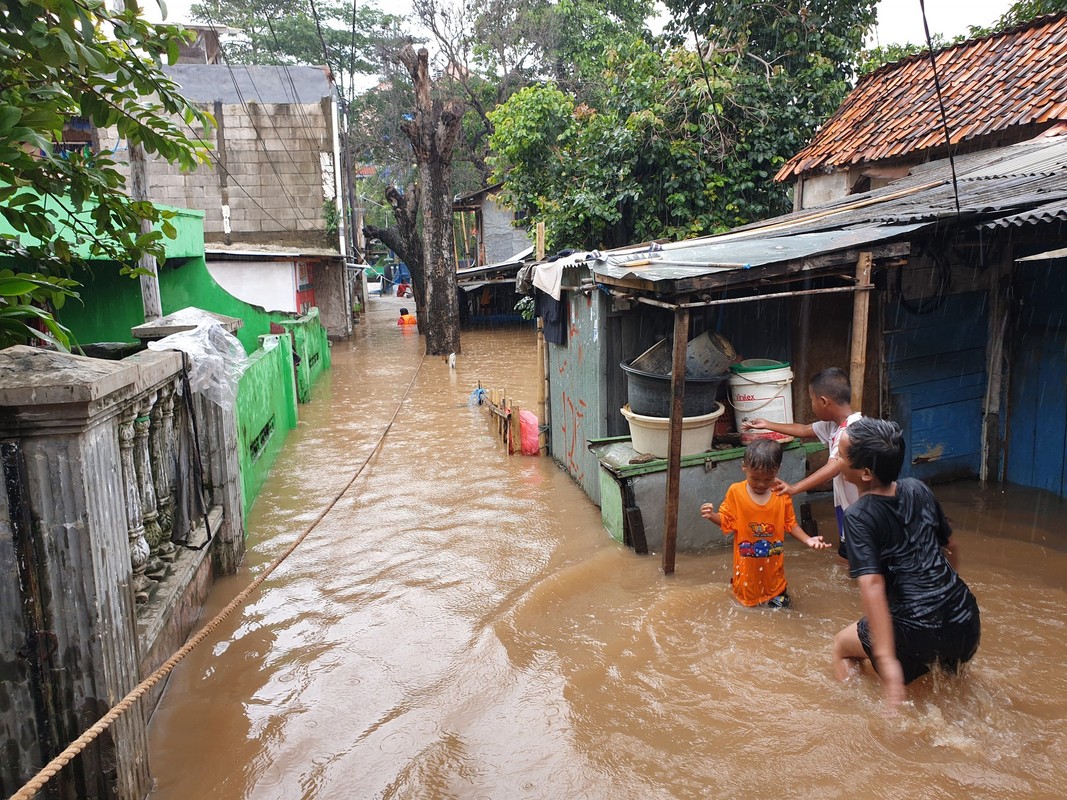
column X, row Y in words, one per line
column 35, row 784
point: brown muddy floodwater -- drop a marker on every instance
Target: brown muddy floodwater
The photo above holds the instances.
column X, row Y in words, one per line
column 461, row 626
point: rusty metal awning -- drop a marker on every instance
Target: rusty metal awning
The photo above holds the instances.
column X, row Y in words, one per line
column 718, row 262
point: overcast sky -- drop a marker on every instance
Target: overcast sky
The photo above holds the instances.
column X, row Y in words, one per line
column 901, row 21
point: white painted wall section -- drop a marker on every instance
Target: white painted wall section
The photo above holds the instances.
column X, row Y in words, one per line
column 268, row 284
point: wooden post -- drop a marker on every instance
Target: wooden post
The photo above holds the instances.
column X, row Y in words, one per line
column 542, row 439
column 455, row 247
column 152, row 305
column 539, row 242
column 674, row 456
column 515, row 424
column 466, row 239
column 860, row 309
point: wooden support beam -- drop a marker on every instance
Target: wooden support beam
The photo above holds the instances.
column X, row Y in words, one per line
column 542, row 439
column 860, row 311
column 674, row 453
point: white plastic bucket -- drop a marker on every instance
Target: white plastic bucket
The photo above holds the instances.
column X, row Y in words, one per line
column 653, row 434
column 760, row 387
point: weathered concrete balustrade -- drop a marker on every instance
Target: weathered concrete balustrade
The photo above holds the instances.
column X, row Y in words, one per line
column 101, row 477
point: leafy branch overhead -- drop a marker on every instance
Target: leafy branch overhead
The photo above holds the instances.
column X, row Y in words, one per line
column 62, row 59
column 687, row 132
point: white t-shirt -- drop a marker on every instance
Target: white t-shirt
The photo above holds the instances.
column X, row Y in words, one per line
column 828, row 432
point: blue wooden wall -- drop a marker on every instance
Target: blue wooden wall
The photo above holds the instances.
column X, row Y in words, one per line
column 1036, row 450
column 936, row 369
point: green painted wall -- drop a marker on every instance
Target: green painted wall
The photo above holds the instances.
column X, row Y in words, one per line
column 268, row 391
column 313, row 347
column 111, row 303
column 266, row 411
column 188, row 223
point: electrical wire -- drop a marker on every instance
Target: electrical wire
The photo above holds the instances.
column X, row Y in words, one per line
column 941, row 106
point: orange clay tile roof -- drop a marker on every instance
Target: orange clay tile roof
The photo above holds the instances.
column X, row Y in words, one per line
column 1012, row 80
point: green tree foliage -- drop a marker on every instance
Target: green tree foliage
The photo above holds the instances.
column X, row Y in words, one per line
column 1018, row 14
column 492, row 48
column 345, row 36
column 681, row 143
column 61, row 59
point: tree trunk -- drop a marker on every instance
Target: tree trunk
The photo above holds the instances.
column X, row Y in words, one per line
column 403, row 239
column 433, row 132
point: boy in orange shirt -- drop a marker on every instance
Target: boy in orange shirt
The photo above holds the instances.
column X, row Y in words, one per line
column 759, row 520
column 831, row 395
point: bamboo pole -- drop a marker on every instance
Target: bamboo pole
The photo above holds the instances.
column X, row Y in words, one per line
column 674, row 457
column 466, row 240
column 860, row 312
column 539, row 242
column 455, row 247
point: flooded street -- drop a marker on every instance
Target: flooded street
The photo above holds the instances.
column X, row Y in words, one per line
column 461, row 626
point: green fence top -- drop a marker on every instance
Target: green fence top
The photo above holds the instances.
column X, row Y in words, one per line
column 615, row 453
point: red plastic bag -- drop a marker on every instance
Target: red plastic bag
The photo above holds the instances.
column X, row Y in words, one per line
column 528, row 429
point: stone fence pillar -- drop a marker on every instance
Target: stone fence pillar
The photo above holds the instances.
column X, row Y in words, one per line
column 95, row 487
column 68, row 641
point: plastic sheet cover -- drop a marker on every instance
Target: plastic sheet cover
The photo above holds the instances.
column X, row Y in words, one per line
column 216, row 360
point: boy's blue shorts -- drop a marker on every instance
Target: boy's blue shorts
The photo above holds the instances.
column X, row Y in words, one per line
column 839, row 513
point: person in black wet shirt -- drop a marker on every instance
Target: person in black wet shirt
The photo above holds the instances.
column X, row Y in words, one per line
column 919, row 612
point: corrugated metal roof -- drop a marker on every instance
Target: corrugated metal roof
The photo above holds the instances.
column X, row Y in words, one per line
column 1015, row 79
column 1010, row 186
column 1060, row 252
column 511, row 264
column 709, row 257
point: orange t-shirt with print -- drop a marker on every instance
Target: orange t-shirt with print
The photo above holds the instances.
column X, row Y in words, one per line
column 759, row 543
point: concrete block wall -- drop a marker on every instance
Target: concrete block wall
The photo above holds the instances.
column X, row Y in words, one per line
column 266, row 165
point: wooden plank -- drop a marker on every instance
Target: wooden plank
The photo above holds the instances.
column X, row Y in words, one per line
column 635, row 530
column 515, row 425
column 913, row 372
column 860, row 310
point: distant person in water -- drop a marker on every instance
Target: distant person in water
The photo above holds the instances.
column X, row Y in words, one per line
column 406, row 318
column 919, row 612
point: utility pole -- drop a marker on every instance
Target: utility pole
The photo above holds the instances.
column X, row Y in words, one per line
column 149, row 280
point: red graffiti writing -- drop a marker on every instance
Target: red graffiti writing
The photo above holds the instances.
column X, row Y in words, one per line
column 573, row 414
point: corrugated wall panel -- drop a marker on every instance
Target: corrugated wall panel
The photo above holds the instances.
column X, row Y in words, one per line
column 575, row 372
column 1037, row 412
column 936, row 369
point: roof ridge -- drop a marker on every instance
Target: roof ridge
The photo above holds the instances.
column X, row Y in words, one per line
column 925, row 53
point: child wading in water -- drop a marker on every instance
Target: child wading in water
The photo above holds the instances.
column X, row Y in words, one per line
column 759, row 520
column 919, row 612
column 831, row 396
